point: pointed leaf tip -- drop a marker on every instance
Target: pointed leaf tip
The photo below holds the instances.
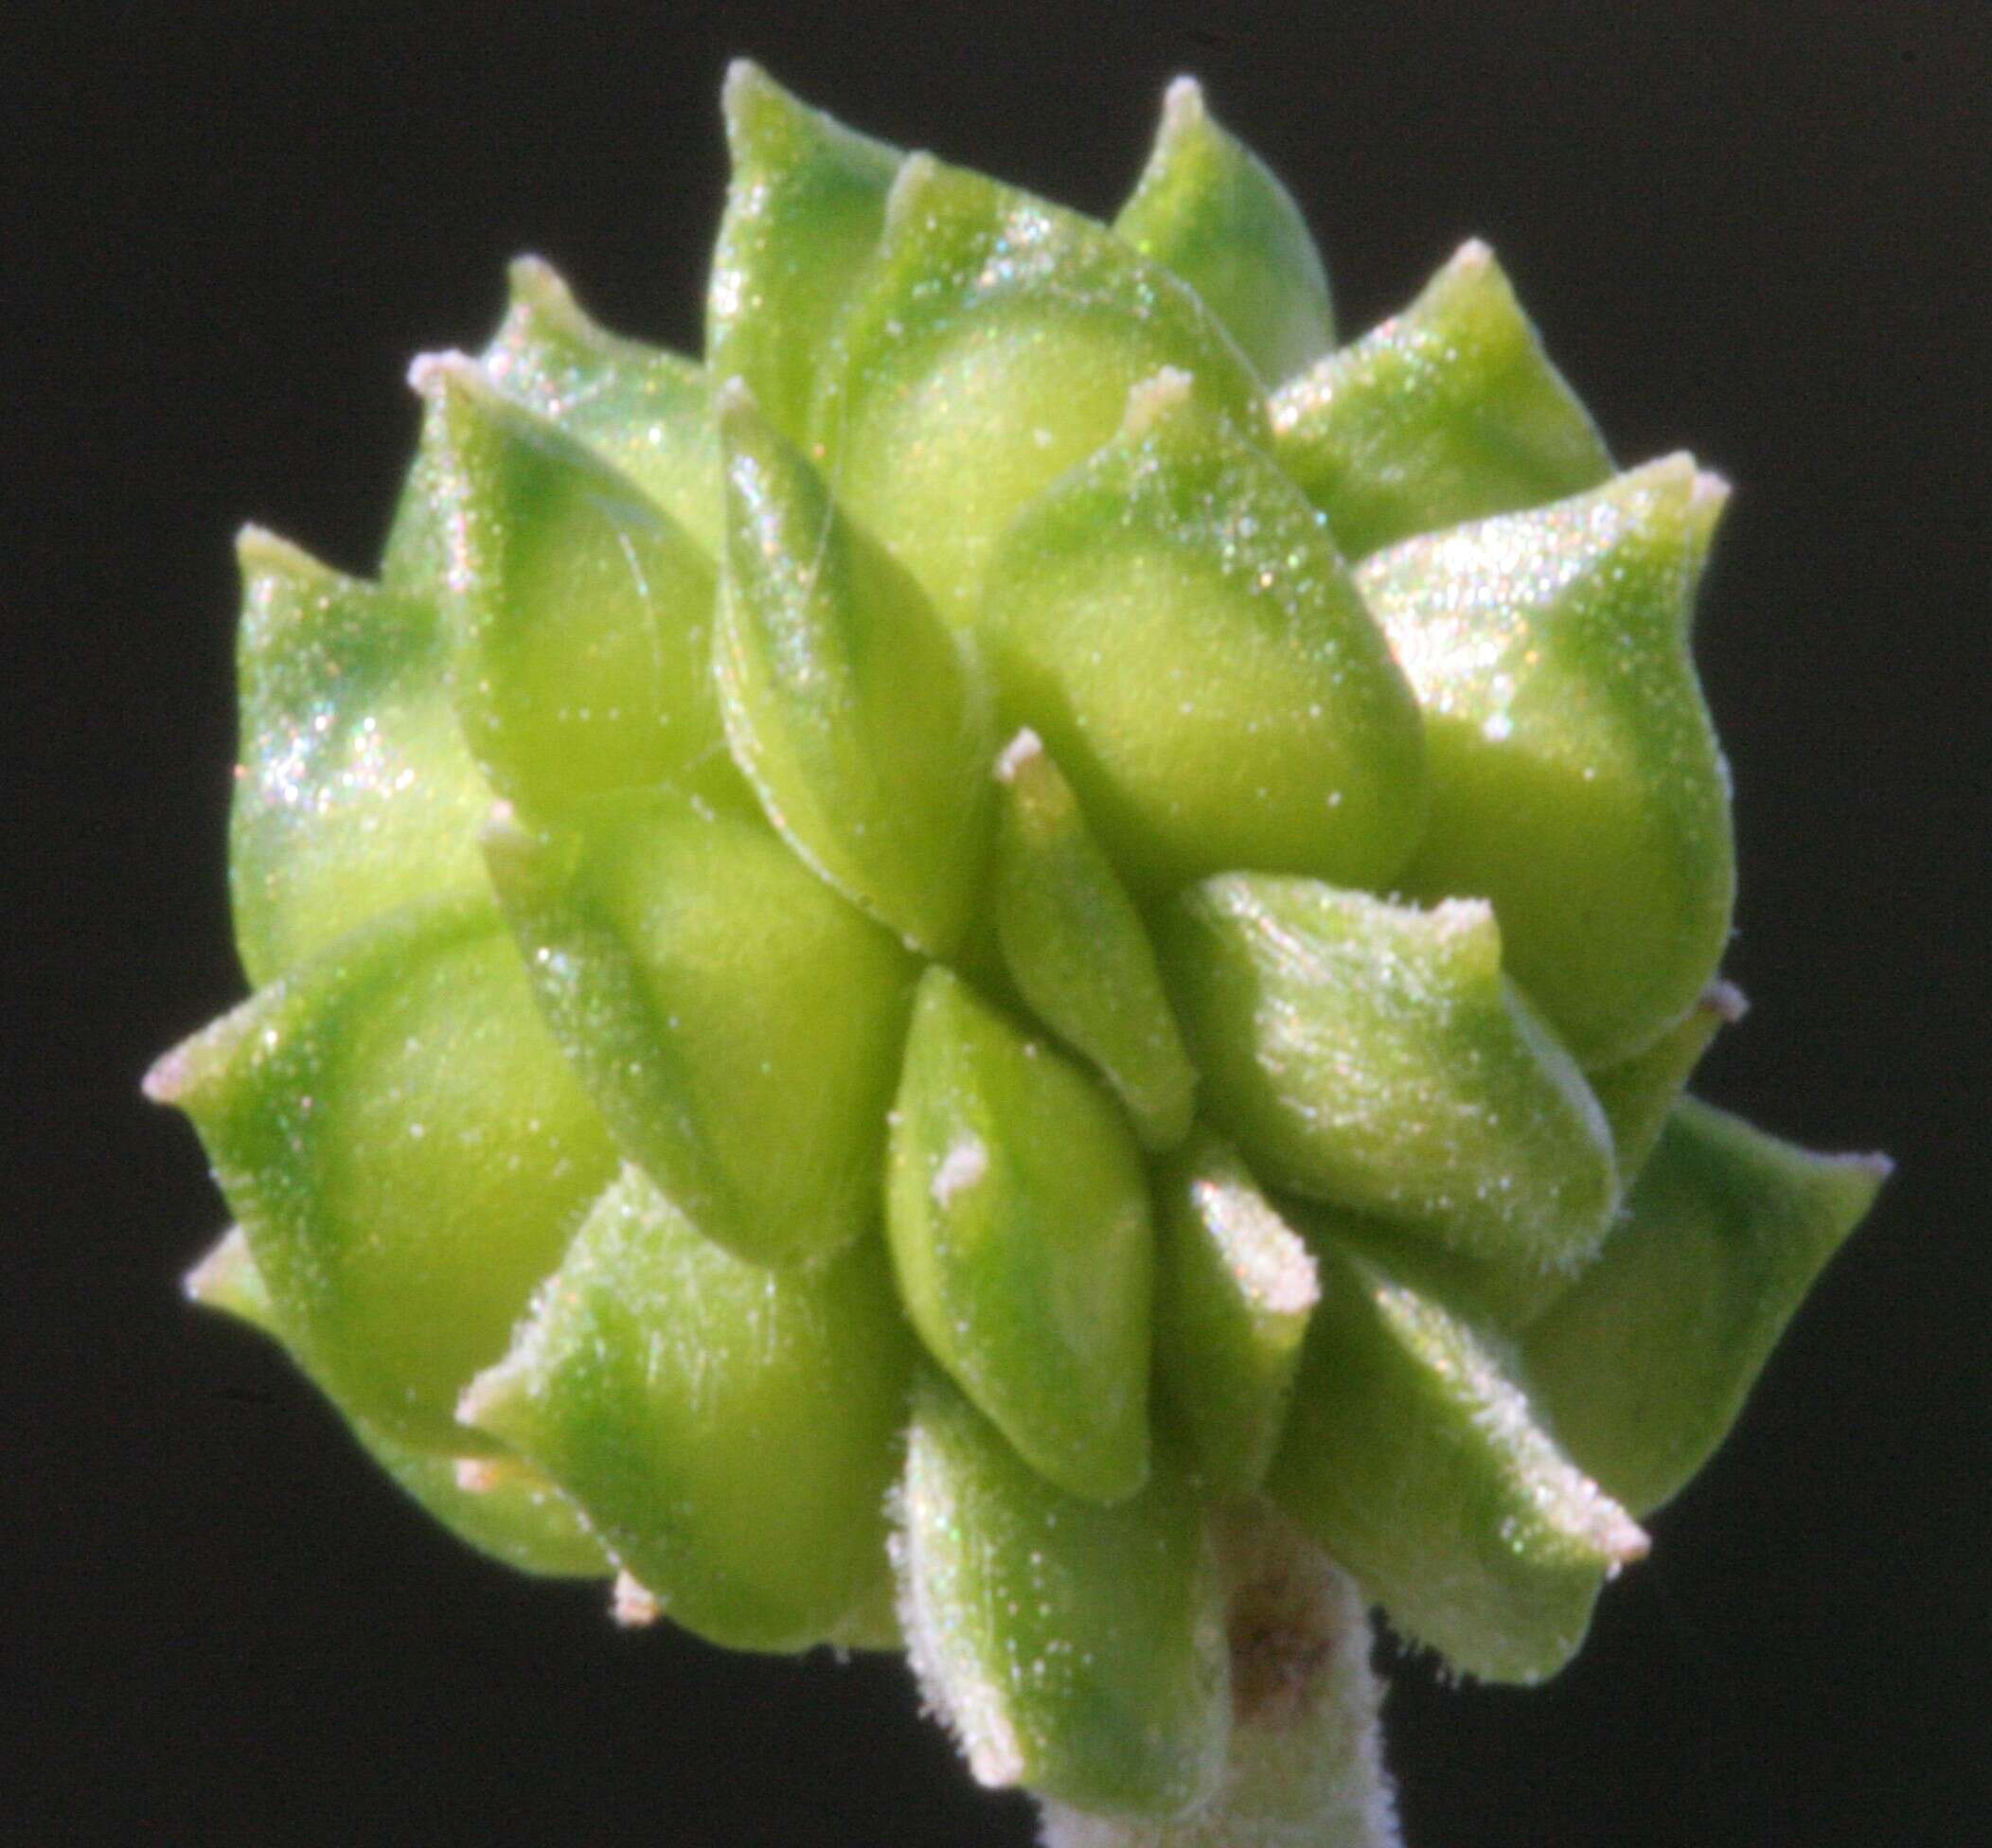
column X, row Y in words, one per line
column 1210, row 211
column 919, row 174
column 1645, row 1363
column 804, row 208
column 1448, row 411
column 632, row 1605
column 534, row 280
column 1155, row 399
column 165, row 1079
column 433, row 375
column 1183, row 102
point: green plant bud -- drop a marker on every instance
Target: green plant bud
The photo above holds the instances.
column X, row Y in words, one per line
column 498, row 1504
column 1638, row 1095
column 686, row 1032
column 803, row 212
column 737, row 1023
column 581, row 612
column 1576, row 779
column 993, row 347
column 1234, row 1290
column 355, row 793
column 1207, row 208
column 1414, row 1456
column 1448, row 411
column 1374, row 1054
column 731, row 1430
column 1077, row 949
column 406, row 1151
column 1172, row 619
column 1019, row 1224
column 1643, row 1365
column 644, row 411
column 862, row 719
column 1074, row 1648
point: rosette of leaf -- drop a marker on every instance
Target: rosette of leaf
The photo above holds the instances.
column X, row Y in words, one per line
column 907, row 979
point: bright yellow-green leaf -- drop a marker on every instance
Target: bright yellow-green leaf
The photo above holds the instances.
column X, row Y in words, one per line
column 1075, row 1649
column 406, row 1151
column 1173, row 621
column 581, row 612
column 803, row 211
column 1576, row 780
column 731, row 1430
column 645, row 411
column 1450, row 410
column 736, row 1021
column 1374, row 1055
column 1077, row 949
column 1644, row 1364
column 992, row 347
column 1019, row 1221
column 1234, row 1290
column 1207, row 208
column 863, row 721
column 1413, row 1457
column 355, row 791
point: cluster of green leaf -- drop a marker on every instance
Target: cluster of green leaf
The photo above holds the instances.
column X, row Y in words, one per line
column 1033, row 903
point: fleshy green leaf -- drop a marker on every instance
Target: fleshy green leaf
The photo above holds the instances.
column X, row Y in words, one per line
column 355, row 791
column 862, row 719
column 645, row 411
column 803, row 211
column 406, row 1150
column 1208, row 209
column 1448, row 411
column 581, row 612
column 1172, row 619
column 1644, row 1364
column 1019, row 1224
column 736, row 1021
column 1500, row 1296
column 497, row 1505
column 1073, row 1649
column 1576, row 780
column 1077, row 949
column 1234, row 1290
column 731, row 1430
column 1414, row 1459
column 1638, row 1095
column 993, row 346
column 227, row 1281
column 1374, row 1055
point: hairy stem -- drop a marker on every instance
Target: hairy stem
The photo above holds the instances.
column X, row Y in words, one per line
column 1307, row 1763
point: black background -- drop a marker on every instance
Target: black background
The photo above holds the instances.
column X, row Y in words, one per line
column 1757, row 230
